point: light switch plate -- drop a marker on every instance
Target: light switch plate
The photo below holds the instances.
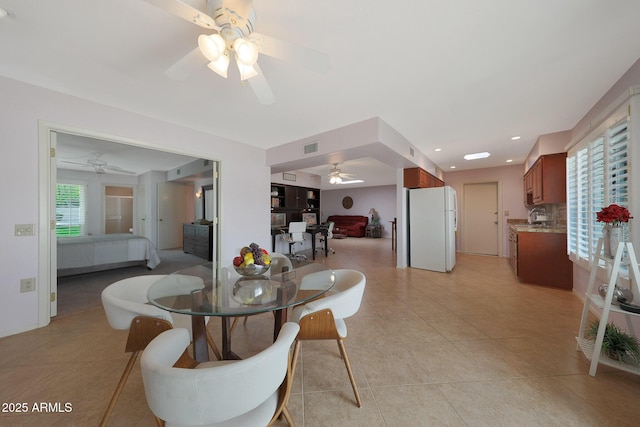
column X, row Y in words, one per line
column 24, row 229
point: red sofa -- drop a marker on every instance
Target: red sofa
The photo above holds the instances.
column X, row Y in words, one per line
column 351, row 225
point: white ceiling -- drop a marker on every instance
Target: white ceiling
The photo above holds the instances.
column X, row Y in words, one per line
column 74, row 149
column 460, row 75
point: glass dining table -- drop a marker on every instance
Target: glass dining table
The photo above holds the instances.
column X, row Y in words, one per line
column 207, row 290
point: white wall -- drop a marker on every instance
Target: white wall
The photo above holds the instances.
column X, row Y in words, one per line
column 382, row 199
column 244, row 208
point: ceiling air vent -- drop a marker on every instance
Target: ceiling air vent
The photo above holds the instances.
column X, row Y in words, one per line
column 311, row 148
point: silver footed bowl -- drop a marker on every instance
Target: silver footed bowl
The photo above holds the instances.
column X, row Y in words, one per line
column 252, row 270
column 619, row 294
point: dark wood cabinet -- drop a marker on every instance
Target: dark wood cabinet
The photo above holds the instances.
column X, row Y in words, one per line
column 277, row 196
column 198, row 240
column 293, row 201
column 420, row 178
column 542, row 259
column 545, row 181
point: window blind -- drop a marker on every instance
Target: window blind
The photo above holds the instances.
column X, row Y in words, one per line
column 597, row 175
column 70, row 210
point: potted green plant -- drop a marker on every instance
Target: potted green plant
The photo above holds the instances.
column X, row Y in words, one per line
column 617, row 344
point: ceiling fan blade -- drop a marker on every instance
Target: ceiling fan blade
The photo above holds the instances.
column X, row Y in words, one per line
column 76, row 163
column 187, row 65
column 186, row 12
column 309, row 58
column 261, row 87
column 118, row 169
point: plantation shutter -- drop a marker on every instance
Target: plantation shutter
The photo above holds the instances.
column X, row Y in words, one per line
column 70, row 210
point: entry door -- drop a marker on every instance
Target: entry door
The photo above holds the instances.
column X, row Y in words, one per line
column 172, row 213
column 480, row 226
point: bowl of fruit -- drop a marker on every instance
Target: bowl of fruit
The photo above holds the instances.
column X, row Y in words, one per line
column 252, row 261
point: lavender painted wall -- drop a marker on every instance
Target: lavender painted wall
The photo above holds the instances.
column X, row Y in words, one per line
column 382, row 199
column 243, row 215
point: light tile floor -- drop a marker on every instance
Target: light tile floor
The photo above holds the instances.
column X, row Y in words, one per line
column 469, row 348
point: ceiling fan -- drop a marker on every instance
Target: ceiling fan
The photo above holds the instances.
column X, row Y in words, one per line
column 99, row 166
column 336, row 176
column 232, row 23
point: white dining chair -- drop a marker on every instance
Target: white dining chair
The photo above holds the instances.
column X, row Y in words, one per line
column 248, row 392
column 126, row 307
column 323, row 318
column 295, row 234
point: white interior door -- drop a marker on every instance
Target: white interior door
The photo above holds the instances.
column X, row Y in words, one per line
column 480, row 222
column 172, row 213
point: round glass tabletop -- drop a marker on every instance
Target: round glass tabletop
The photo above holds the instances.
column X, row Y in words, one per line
column 209, row 291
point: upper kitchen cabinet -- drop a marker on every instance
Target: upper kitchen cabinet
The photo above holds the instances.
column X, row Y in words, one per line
column 545, row 181
column 420, row 178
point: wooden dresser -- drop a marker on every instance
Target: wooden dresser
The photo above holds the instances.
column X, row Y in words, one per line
column 198, row 240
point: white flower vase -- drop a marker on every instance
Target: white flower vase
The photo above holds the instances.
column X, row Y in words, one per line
column 613, row 236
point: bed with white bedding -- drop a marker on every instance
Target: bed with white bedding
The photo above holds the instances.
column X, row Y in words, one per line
column 85, row 254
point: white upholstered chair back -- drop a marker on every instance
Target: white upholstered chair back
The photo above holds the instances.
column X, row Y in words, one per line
column 127, row 298
column 279, row 262
column 297, row 230
column 245, row 391
column 344, row 300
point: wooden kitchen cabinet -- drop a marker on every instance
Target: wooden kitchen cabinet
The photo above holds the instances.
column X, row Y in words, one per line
column 545, row 181
column 542, row 259
column 420, row 178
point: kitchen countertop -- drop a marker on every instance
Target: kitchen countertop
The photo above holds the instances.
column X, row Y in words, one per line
column 534, row 228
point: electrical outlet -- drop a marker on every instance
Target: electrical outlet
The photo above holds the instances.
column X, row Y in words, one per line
column 28, row 285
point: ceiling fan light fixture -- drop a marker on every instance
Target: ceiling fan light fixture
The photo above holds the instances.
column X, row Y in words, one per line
column 246, row 52
column 246, row 71
column 212, row 47
column 220, row 66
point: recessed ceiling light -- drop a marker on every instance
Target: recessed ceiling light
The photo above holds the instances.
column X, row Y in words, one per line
column 3, row 13
column 476, row 156
column 514, row 138
column 438, row 149
column 452, row 167
column 509, row 161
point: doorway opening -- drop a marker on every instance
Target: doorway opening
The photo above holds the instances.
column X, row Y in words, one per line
column 128, row 200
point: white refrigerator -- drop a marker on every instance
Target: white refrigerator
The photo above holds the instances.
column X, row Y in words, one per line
column 432, row 224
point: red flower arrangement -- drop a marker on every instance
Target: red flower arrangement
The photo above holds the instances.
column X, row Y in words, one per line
column 614, row 215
